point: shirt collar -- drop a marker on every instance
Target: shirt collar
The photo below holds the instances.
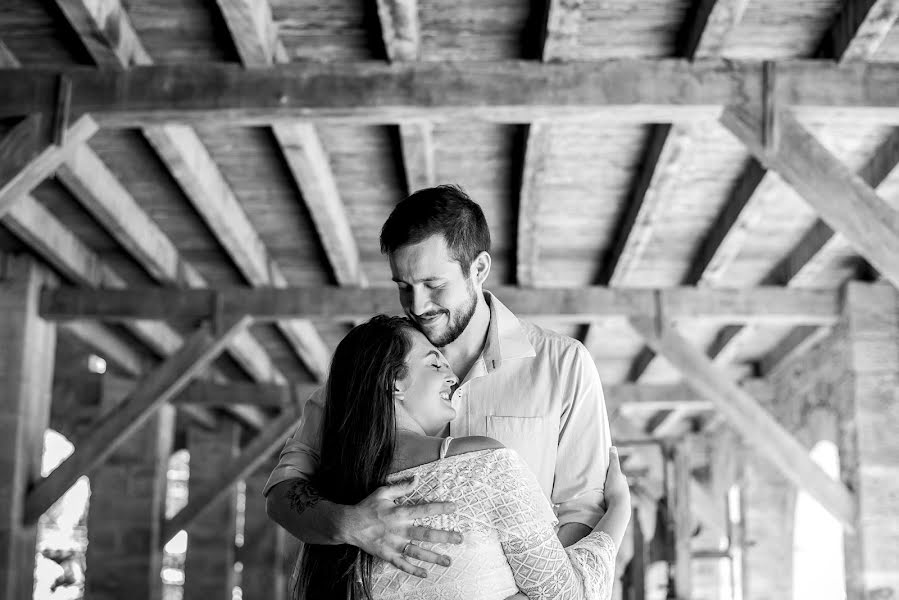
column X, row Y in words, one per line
column 506, row 337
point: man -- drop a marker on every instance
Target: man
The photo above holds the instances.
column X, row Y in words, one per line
column 535, row 391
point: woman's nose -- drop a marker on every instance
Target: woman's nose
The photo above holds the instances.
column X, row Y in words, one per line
column 451, row 378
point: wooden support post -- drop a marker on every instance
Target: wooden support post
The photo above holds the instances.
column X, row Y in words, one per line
column 264, row 544
column 156, row 389
column 124, row 556
column 260, row 449
column 27, row 353
column 869, row 452
column 683, row 519
column 209, row 565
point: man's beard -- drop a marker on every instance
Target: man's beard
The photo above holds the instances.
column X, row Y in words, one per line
column 457, row 322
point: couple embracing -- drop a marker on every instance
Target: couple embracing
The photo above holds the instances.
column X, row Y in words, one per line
column 458, row 453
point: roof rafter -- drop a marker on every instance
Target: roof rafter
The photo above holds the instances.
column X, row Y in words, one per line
column 559, row 41
column 193, row 168
column 401, row 34
column 256, row 38
column 844, row 200
column 742, row 211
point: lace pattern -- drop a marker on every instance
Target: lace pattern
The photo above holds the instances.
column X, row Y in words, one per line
column 510, row 542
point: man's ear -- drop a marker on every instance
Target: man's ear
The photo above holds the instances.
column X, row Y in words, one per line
column 480, row 267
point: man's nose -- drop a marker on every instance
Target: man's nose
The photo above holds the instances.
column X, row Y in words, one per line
column 421, row 302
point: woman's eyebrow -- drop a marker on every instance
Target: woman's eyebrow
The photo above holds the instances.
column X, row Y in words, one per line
column 435, row 353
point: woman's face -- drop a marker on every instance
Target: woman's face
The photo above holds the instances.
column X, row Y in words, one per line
column 426, row 391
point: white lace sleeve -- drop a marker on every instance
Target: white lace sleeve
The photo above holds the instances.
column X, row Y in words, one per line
column 542, row 568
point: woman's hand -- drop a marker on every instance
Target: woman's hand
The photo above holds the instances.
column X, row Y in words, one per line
column 617, row 491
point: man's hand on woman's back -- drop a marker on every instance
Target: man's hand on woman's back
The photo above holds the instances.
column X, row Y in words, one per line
column 377, row 525
column 385, row 530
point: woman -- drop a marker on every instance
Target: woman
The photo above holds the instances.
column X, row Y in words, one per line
column 388, row 399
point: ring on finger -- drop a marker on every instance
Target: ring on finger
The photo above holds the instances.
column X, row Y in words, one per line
column 406, row 548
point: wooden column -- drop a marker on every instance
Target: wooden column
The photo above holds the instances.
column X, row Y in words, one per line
column 124, row 555
column 869, row 452
column 27, row 351
column 769, row 504
column 683, row 519
column 263, row 552
column 209, row 565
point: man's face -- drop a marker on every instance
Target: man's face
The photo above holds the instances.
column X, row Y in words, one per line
column 434, row 291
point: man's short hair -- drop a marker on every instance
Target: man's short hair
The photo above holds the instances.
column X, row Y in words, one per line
column 443, row 210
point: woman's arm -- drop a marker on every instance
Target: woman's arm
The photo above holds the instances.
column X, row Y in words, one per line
column 540, row 566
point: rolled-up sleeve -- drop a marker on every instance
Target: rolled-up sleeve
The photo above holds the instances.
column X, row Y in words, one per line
column 584, row 441
column 300, row 456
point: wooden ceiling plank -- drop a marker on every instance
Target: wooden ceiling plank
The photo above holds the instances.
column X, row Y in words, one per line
column 710, row 24
column 759, row 430
column 842, row 199
column 193, row 168
column 157, row 388
column 773, row 305
column 256, row 38
column 101, row 193
column 261, row 448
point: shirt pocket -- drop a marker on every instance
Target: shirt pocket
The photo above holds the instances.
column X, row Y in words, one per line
column 527, row 436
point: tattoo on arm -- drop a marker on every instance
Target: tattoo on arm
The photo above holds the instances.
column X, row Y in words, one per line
column 302, row 496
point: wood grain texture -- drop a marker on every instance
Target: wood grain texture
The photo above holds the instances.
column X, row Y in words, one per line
column 574, row 305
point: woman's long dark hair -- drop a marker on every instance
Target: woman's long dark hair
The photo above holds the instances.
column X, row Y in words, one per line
column 358, row 441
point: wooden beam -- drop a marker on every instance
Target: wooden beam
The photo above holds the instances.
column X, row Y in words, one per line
column 860, row 29
column 623, row 90
column 30, row 173
column 563, row 22
column 569, row 305
column 309, row 164
column 400, row 32
column 709, row 24
column 528, row 247
column 794, row 344
column 681, row 504
column 400, row 29
column 668, row 150
column 755, row 425
column 52, row 241
column 163, row 383
column 106, row 31
column 668, row 147
column 101, row 193
column 108, row 344
column 417, row 142
column 842, row 198
column 255, row 36
column 206, row 393
column 258, row 451
column 199, row 177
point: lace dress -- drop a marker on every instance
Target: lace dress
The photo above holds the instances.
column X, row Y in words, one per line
column 510, row 541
